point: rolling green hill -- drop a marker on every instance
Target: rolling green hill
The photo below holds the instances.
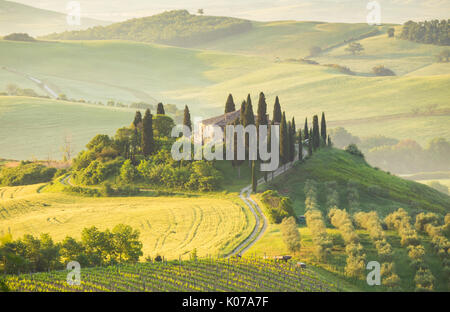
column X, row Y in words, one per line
column 173, row 27
column 377, row 189
column 179, row 28
column 401, row 56
column 45, row 124
column 17, row 17
column 132, row 72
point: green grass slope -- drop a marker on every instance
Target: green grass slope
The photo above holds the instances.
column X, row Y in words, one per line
column 17, row 17
column 394, row 192
column 288, row 39
column 176, row 27
column 37, row 128
column 342, row 167
column 127, row 72
column 401, row 56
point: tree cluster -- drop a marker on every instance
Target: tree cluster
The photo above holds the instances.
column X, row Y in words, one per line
column 341, row 220
column 401, row 221
column 430, row 223
column 39, row 254
column 371, row 222
column 434, row 32
column 26, row 173
column 277, row 207
column 315, row 222
column 176, row 27
column 290, row 234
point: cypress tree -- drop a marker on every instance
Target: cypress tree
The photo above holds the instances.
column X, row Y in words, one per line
column 310, row 144
column 300, row 145
column 294, row 133
column 306, row 129
column 284, row 143
column 249, row 100
column 294, row 130
column 160, row 109
column 254, row 179
column 323, row 128
column 249, row 119
column 277, row 111
column 242, row 115
column 329, row 141
column 137, row 119
column 290, row 141
column 147, row 134
column 187, row 118
column 315, row 133
column 262, row 110
column 229, row 105
column 249, row 116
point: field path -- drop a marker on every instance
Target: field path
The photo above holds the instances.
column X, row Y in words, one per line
column 257, row 211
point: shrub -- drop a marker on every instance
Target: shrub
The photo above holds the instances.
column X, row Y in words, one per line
column 277, row 207
column 19, row 37
column 340, row 68
column 380, row 70
column 353, row 149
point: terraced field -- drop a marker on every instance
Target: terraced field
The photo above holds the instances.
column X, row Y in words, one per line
column 169, row 226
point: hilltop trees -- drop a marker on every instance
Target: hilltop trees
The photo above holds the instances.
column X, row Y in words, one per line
column 147, row 134
column 434, row 31
column 160, row 109
column 229, row 105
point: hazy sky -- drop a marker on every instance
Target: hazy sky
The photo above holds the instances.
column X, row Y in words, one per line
column 392, row 11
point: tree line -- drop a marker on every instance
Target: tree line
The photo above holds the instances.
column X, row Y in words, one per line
column 96, row 248
column 311, row 138
column 434, row 32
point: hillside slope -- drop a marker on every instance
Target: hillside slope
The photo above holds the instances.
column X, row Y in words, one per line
column 377, row 190
column 177, row 28
column 17, row 17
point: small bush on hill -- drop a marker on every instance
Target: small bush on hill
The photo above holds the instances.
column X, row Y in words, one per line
column 353, row 149
column 380, row 70
column 277, row 207
column 19, row 37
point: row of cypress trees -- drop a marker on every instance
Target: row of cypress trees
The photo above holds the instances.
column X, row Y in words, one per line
column 314, row 137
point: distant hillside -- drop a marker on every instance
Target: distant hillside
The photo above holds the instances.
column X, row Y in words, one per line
column 377, row 190
column 17, row 18
column 174, row 28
